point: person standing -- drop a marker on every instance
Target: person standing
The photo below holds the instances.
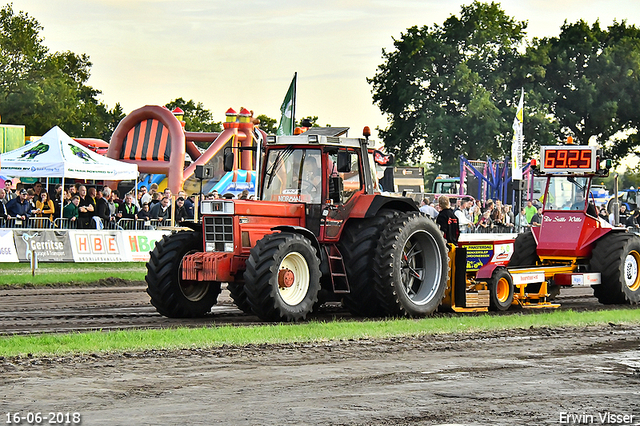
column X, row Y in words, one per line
column 19, row 208
column 427, row 208
column 162, row 210
column 447, row 220
column 3, row 208
column 10, row 195
column 529, row 211
column 464, row 224
column 86, row 207
column 71, row 212
column 102, row 209
column 45, row 205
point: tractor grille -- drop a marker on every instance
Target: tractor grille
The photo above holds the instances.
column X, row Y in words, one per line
column 218, row 233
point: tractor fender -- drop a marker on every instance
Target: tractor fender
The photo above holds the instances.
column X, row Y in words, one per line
column 383, row 202
column 486, row 272
column 302, row 231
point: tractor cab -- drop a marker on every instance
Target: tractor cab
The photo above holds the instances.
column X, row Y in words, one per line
column 570, row 222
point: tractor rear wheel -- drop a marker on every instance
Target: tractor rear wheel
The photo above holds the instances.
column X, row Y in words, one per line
column 357, row 245
column 411, row 266
column 282, row 278
column 171, row 295
column 239, row 296
column 524, row 251
column 617, row 257
column 500, row 290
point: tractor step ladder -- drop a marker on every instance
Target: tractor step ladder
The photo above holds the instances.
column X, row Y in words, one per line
column 336, row 267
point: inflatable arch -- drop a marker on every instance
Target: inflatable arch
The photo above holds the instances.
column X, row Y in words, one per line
column 153, row 138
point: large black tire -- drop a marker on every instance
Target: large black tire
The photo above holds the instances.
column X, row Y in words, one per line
column 500, row 290
column 524, row 251
column 411, row 266
column 357, row 245
column 282, row 278
column 172, row 296
column 617, row 257
column 239, row 296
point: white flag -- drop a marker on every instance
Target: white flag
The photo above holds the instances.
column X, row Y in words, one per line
column 518, row 139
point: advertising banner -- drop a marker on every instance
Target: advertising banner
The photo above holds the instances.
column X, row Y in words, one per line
column 98, row 246
column 140, row 243
column 49, row 245
column 7, row 247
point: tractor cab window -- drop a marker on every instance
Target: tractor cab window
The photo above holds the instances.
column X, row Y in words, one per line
column 350, row 180
column 293, row 175
column 567, row 193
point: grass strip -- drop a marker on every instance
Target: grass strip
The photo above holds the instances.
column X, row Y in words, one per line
column 210, row 337
column 71, row 273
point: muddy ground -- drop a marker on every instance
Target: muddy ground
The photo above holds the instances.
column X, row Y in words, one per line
column 520, row 377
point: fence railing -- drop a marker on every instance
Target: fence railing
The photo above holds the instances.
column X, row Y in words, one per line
column 96, row 223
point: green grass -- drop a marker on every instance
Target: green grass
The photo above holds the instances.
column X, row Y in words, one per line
column 72, row 273
column 208, row 337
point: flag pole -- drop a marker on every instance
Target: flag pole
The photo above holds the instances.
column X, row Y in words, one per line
column 293, row 110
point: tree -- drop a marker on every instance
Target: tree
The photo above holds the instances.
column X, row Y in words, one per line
column 41, row 89
column 268, row 124
column 196, row 117
column 592, row 82
column 448, row 89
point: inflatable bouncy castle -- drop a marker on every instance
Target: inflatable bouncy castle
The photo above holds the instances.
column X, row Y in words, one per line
column 153, row 138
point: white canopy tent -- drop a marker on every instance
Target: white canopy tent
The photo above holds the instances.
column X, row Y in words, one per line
column 57, row 155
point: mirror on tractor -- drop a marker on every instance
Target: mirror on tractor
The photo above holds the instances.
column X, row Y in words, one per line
column 344, row 162
column 228, row 161
column 335, row 189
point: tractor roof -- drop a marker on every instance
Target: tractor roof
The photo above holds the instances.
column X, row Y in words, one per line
column 314, row 140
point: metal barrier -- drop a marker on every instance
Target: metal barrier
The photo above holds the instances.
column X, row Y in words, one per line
column 39, row 222
column 65, row 223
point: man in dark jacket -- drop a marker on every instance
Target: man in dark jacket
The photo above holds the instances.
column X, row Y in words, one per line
column 447, row 220
column 19, row 208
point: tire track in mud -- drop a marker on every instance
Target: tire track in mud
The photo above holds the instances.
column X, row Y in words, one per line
column 69, row 309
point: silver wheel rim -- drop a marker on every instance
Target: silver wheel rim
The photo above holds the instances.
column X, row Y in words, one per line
column 421, row 267
column 193, row 291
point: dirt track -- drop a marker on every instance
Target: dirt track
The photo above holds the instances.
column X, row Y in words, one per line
column 523, row 377
column 65, row 309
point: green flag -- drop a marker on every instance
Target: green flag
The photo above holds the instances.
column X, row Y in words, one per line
column 288, row 110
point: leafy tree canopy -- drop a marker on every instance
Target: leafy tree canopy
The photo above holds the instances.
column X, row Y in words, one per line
column 452, row 89
column 196, row 117
column 41, row 89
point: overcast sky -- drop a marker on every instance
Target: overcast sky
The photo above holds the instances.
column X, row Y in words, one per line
column 244, row 53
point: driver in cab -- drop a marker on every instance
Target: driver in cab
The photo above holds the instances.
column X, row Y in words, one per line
column 312, row 179
column 578, row 203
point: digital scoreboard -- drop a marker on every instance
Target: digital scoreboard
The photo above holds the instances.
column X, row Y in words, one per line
column 564, row 159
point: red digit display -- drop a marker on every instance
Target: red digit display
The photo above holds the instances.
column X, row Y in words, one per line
column 568, row 159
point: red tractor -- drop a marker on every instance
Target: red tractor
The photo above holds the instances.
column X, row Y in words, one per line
column 573, row 246
column 319, row 229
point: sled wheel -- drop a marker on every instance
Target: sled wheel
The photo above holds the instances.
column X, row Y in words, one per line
column 282, row 278
column 411, row 266
column 617, row 257
column 170, row 294
column 500, row 290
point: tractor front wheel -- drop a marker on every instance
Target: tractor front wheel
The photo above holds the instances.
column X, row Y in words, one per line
column 617, row 257
column 171, row 295
column 282, row 278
